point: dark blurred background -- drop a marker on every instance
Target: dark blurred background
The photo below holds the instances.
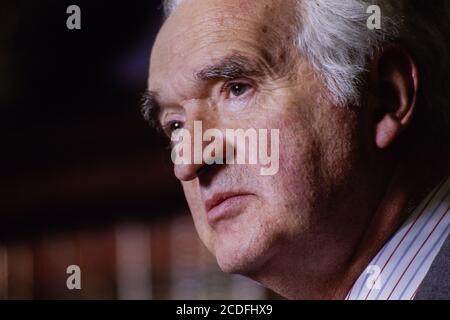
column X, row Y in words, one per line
column 84, row 180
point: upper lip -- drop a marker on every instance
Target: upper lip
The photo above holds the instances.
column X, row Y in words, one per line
column 218, row 198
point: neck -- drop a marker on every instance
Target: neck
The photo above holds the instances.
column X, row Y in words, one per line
column 407, row 184
column 413, row 178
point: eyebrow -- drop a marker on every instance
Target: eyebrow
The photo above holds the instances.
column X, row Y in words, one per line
column 231, row 67
column 150, row 108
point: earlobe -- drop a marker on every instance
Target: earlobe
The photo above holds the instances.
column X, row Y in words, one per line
column 386, row 131
column 397, row 77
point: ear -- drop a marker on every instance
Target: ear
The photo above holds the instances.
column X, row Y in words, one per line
column 398, row 81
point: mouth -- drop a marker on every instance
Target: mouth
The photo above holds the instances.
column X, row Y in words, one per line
column 225, row 205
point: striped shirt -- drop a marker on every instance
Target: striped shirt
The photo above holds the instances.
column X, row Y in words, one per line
column 398, row 269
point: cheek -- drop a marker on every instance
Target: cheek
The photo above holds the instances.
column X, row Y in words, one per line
column 294, row 187
column 298, row 176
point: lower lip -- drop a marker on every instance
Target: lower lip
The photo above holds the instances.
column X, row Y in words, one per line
column 228, row 208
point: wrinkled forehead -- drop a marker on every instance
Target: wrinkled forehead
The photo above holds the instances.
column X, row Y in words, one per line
column 202, row 30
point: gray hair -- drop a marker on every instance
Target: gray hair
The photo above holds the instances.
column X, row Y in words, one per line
column 333, row 36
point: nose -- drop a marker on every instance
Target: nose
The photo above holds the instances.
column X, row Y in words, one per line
column 188, row 172
column 204, row 148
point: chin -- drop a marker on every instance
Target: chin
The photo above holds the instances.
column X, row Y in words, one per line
column 238, row 255
column 237, row 264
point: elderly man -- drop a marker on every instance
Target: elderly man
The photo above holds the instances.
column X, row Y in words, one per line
column 359, row 208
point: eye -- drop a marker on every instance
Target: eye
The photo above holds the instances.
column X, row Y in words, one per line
column 175, row 125
column 238, row 89
column 170, row 127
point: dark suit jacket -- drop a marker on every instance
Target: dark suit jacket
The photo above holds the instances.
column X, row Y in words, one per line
column 436, row 285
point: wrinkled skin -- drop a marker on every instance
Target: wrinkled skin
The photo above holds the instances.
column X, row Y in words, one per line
column 297, row 230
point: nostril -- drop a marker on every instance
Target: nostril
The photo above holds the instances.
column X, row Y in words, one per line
column 202, row 169
column 187, row 172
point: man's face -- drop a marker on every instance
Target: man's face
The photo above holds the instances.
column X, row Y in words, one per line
column 270, row 218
